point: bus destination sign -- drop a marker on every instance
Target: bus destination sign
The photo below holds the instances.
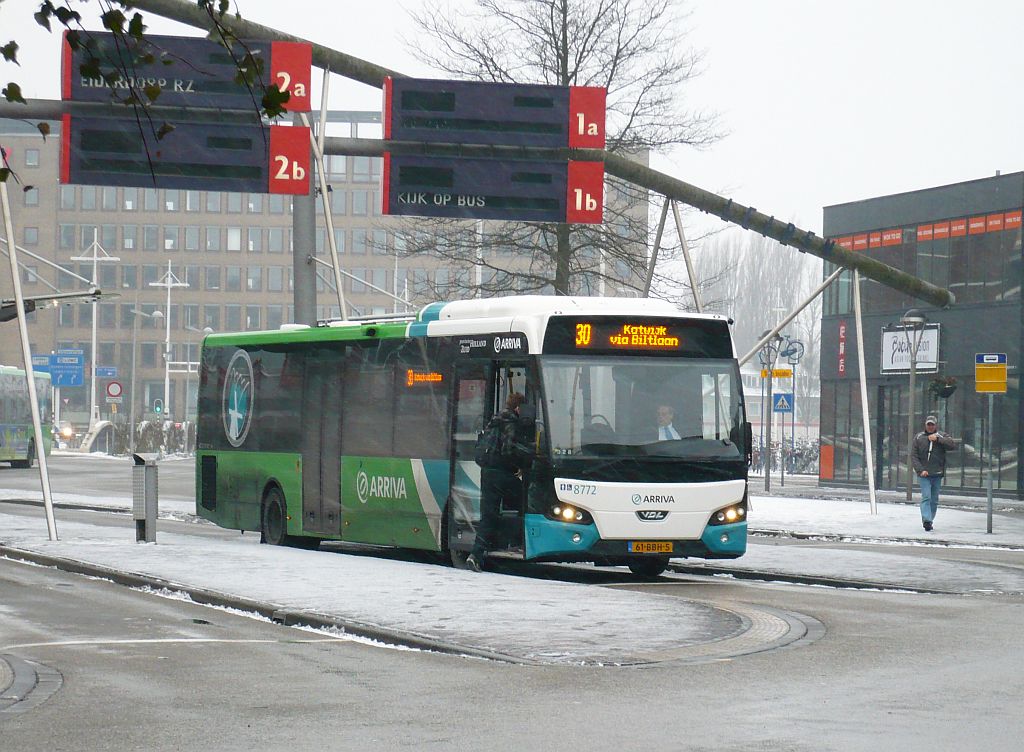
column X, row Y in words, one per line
column 638, row 335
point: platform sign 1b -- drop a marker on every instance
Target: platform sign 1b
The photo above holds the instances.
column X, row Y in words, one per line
column 242, row 158
column 476, row 112
column 512, row 190
column 190, row 71
column 990, row 373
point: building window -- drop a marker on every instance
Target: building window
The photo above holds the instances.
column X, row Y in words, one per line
column 336, row 166
column 150, row 273
column 252, row 317
column 108, row 237
column 233, row 317
column 359, row 242
column 147, row 353
column 150, row 237
column 255, row 203
column 254, row 278
column 88, row 236
column 108, row 276
column 234, row 243
column 192, row 202
column 212, row 278
column 275, row 240
column 172, row 200
column 211, row 316
column 233, row 278
column 128, row 237
column 108, row 318
column 129, row 276
column 213, row 239
column 276, row 203
column 108, row 198
column 30, row 275
column 234, row 202
column 30, row 236
column 339, row 202
column 275, row 279
column 213, row 201
column 192, row 238
column 130, row 199
column 67, row 197
column 32, row 197
column 31, row 157
column 191, row 311
column 171, row 238
column 254, row 242
column 150, row 201
column 88, row 198
column 275, row 315
column 379, row 242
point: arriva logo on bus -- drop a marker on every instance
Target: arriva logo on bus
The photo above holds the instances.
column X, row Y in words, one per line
column 237, row 398
column 379, row 487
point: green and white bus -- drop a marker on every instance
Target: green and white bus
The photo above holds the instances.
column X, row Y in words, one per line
column 17, row 443
column 364, row 430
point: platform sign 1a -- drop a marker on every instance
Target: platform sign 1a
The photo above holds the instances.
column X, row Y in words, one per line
column 190, row 71
column 193, row 156
column 507, row 114
column 470, row 188
column 990, row 373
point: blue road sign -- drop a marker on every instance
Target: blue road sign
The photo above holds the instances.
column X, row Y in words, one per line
column 782, row 402
column 67, row 368
column 41, row 363
column 106, row 372
column 989, row 358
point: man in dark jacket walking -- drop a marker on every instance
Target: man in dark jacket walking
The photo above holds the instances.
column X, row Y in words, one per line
column 500, row 478
column 929, row 458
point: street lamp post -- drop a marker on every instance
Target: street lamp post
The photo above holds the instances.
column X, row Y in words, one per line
column 913, row 322
column 156, row 315
column 169, row 280
column 98, row 255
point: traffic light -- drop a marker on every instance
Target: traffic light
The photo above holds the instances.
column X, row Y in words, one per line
column 158, row 406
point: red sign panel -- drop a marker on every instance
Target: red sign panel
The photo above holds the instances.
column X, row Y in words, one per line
column 874, row 240
column 994, row 223
column 585, row 199
column 845, row 243
column 924, row 232
column 289, row 160
column 940, row 230
column 892, row 237
column 976, row 225
column 841, row 366
column 1011, row 220
column 860, row 242
column 291, row 69
column 586, row 117
column 958, row 228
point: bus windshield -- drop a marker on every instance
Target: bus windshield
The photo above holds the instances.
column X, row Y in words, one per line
column 643, row 407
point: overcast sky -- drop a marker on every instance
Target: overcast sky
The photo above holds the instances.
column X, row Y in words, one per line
column 824, row 102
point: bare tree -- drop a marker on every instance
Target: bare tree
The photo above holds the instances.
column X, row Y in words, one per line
column 637, row 50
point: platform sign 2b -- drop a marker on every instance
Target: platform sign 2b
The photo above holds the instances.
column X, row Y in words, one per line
column 512, row 190
column 990, row 373
column 242, row 158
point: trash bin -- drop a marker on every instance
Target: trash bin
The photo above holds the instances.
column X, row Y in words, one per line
column 144, row 497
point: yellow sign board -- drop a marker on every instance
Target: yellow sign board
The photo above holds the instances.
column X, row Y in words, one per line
column 778, row 373
column 990, row 378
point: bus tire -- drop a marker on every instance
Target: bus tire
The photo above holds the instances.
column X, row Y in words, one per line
column 29, row 460
column 452, row 557
column 274, row 518
column 648, row 566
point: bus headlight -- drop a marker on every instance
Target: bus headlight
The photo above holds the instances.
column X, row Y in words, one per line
column 729, row 515
column 569, row 513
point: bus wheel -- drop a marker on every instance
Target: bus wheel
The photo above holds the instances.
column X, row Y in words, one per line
column 28, row 461
column 648, row 566
column 454, row 557
column 274, row 518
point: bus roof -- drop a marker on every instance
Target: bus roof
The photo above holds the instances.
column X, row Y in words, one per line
column 525, row 313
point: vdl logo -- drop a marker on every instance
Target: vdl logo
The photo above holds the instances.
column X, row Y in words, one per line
column 238, row 398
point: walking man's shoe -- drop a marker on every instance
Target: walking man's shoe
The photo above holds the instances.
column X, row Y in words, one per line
column 927, row 525
column 473, row 564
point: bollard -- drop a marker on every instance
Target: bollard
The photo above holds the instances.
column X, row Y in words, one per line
column 144, row 498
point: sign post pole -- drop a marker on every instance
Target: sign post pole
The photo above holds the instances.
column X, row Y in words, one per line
column 990, row 378
column 991, row 400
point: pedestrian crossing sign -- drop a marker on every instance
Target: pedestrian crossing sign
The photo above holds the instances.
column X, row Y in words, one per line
column 782, row 402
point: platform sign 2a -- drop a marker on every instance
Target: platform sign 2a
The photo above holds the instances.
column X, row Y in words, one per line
column 190, row 71
column 990, row 373
column 192, row 156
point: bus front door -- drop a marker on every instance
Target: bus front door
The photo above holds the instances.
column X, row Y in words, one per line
column 472, row 400
column 321, row 443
